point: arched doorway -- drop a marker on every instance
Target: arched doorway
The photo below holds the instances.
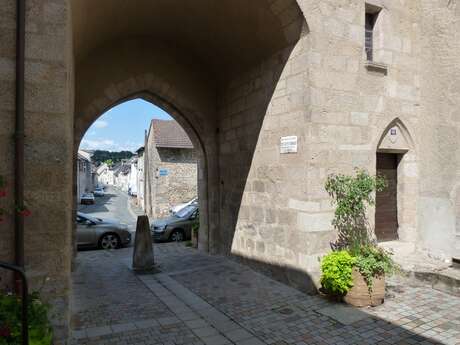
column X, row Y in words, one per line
column 396, row 206
column 197, row 142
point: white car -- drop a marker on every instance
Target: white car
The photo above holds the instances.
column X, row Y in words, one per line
column 179, row 207
column 99, row 192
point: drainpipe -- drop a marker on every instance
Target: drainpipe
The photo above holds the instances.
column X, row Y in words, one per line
column 19, row 133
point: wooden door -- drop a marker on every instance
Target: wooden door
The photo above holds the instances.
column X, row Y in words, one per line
column 386, row 204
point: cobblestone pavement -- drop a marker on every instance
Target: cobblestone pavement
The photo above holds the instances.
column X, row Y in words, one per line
column 202, row 299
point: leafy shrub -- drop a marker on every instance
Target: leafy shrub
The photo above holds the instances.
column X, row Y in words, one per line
column 40, row 332
column 351, row 195
column 372, row 261
column 337, row 267
column 195, row 228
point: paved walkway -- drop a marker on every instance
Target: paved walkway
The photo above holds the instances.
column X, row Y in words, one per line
column 201, row 299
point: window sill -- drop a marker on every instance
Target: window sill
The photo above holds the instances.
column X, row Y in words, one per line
column 376, row 67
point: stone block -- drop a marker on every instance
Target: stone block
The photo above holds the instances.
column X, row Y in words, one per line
column 307, row 206
column 312, row 222
column 143, row 250
column 359, row 119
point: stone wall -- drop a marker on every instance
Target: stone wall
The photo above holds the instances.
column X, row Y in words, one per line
column 340, row 109
column 7, row 109
column 178, row 186
column 48, row 148
column 439, row 126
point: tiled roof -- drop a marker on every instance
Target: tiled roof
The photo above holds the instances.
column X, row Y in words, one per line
column 168, row 133
column 84, row 155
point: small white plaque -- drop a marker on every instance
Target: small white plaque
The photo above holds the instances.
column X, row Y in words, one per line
column 288, row 144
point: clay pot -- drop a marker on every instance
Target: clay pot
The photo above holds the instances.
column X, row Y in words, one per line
column 359, row 295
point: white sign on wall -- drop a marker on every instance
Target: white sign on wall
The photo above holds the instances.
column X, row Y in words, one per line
column 288, row 144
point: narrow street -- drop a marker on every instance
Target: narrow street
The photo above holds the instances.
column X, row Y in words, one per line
column 114, row 205
column 196, row 298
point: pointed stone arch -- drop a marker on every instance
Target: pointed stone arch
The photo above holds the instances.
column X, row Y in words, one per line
column 159, row 92
column 396, row 207
column 401, row 140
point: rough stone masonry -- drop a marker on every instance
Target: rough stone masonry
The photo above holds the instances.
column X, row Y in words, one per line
column 270, row 69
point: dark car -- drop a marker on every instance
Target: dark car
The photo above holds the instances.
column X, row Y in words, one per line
column 101, row 233
column 87, row 199
column 177, row 227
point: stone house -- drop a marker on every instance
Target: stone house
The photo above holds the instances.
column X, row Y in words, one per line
column 170, row 168
column 303, row 88
column 104, row 175
column 84, row 174
column 121, row 172
column 133, row 177
column 140, row 177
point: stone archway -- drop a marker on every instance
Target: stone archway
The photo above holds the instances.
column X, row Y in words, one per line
column 136, row 89
column 396, row 207
column 217, row 63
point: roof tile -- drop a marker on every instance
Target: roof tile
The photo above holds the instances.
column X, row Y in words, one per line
column 167, row 133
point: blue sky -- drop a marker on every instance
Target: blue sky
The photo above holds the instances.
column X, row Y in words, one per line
column 122, row 127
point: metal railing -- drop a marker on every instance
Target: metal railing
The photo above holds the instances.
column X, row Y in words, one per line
column 24, row 302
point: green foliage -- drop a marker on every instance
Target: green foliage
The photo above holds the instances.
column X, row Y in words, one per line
column 352, row 195
column 100, row 156
column 195, row 228
column 337, row 267
column 372, row 261
column 188, row 243
column 40, row 332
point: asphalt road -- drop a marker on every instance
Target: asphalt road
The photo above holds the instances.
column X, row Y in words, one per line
column 114, row 205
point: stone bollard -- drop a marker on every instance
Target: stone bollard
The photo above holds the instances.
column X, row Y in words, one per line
column 143, row 249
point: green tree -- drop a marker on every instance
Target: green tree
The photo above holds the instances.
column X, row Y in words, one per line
column 352, row 195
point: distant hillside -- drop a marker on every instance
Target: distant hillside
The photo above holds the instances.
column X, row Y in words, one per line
column 109, row 157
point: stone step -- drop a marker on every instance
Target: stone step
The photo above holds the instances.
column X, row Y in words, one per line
column 446, row 280
column 456, row 263
column 417, row 268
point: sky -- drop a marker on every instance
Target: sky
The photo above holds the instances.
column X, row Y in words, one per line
column 122, row 127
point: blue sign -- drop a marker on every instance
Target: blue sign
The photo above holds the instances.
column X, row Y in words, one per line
column 164, row 172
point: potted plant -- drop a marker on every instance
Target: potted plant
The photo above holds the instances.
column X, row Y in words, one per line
column 40, row 331
column 355, row 270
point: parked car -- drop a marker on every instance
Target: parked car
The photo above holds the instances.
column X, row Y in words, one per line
column 101, row 233
column 99, row 191
column 87, row 199
column 179, row 207
column 177, row 227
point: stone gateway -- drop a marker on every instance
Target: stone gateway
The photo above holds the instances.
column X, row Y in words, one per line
column 238, row 75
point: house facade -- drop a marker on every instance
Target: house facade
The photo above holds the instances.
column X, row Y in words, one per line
column 84, row 174
column 170, row 168
column 140, row 178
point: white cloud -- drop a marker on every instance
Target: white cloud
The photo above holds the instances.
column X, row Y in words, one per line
column 102, row 144
column 100, row 124
column 109, row 145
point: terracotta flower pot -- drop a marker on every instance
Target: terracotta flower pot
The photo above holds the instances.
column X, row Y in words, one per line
column 359, row 295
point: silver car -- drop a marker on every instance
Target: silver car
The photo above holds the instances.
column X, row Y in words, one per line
column 177, row 227
column 101, row 233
